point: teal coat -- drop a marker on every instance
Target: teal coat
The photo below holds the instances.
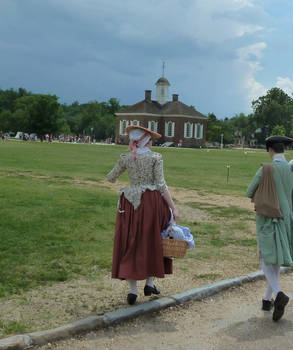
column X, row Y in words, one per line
column 275, row 236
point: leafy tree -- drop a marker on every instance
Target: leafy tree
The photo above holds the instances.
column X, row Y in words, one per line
column 278, row 130
column 275, row 108
column 40, row 113
column 113, row 105
column 36, row 113
column 8, row 97
column 90, row 118
column 213, row 129
column 228, row 131
column 63, row 127
column 96, row 119
column 73, row 116
column 5, row 121
column 107, row 127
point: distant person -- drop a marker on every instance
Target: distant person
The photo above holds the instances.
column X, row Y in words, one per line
column 143, row 213
column 272, row 192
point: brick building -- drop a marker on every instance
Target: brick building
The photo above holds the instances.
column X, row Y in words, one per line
column 174, row 120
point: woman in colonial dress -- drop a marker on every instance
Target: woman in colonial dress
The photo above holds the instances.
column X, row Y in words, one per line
column 143, row 213
column 274, row 224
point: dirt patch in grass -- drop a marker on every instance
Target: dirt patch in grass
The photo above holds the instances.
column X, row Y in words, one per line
column 182, row 196
column 185, row 196
column 190, row 214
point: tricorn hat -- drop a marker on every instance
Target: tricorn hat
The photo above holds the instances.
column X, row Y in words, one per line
column 153, row 134
column 278, row 139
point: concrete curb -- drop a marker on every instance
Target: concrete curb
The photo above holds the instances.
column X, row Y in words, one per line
column 25, row 341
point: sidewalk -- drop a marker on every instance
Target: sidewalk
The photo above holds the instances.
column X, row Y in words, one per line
column 91, row 323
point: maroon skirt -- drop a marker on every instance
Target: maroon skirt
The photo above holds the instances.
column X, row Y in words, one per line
column 138, row 252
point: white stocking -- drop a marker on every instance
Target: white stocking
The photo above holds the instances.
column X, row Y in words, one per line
column 271, row 273
column 269, row 291
column 132, row 286
column 150, row 282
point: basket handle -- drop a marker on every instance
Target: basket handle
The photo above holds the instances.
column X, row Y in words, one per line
column 171, row 230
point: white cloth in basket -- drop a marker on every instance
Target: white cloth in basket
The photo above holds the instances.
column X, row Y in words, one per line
column 179, row 232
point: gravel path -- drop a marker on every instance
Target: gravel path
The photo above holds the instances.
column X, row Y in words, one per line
column 229, row 320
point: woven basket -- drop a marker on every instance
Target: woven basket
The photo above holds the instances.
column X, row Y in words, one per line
column 174, row 248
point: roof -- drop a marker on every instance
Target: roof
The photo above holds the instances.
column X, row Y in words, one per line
column 163, row 80
column 175, row 108
column 151, row 107
column 179, row 108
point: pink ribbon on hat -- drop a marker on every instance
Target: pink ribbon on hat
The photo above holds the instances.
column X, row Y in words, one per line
column 136, row 143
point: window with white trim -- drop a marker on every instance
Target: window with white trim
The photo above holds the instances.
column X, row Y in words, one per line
column 169, row 129
column 195, row 130
column 198, row 131
column 134, row 122
column 188, row 128
column 152, row 125
column 122, row 127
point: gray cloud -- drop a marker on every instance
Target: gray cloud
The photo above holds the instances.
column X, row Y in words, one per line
column 85, row 49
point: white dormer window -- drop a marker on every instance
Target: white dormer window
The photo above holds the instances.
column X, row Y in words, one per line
column 169, row 129
column 152, row 125
column 188, row 130
column 122, row 126
column 134, row 122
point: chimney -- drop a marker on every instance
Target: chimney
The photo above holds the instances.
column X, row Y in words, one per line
column 148, row 95
column 175, row 97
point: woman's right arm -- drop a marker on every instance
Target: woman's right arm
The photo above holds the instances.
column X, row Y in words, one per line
column 162, row 186
column 167, row 196
column 118, row 169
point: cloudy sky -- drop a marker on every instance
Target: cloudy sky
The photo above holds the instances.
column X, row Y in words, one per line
column 219, row 54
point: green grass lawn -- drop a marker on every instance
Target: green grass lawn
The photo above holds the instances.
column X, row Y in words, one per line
column 54, row 228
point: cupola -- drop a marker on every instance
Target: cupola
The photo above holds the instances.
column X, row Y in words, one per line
column 162, row 89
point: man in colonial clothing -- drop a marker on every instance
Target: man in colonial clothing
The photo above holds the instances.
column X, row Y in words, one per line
column 272, row 192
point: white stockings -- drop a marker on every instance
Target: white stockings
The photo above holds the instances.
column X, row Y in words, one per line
column 271, row 273
column 133, row 284
column 150, row 282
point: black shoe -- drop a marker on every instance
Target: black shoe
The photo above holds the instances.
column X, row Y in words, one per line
column 267, row 305
column 150, row 290
column 279, row 306
column 131, row 298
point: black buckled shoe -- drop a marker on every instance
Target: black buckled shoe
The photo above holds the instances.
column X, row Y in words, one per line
column 131, row 298
column 267, row 305
column 279, row 306
column 150, row 290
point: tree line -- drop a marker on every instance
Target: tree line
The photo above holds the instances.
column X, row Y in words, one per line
column 272, row 115
column 21, row 110
column 42, row 114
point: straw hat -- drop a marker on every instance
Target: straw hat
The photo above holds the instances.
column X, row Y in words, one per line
column 153, row 134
